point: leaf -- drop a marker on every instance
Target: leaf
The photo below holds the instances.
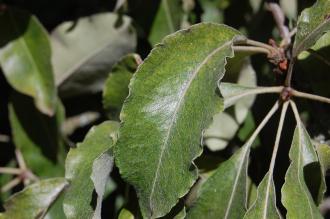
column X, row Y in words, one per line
column 217, row 135
column 25, row 58
column 83, row 54
column 223, row 195
column 116, row 86
column 312, row 24
column 34, row 200
column 83, row 166
column 265, row 204
column 290, row 8
column 296, row 196
column 323, row 152
column 167, row 20
column 37, row 136
column 172, row 99
column 125, row 214
column 102, row 167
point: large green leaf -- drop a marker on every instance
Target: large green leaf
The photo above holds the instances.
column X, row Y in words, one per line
column 172, row 99
column 25, row 58
column 296, row 196
column 167, row 20
column 87, row 167
column 116, row 86
column 323, row 152
column 224, row 194
column 83, row 53
column 312, row 24
column 34, row 200
column 37, row 136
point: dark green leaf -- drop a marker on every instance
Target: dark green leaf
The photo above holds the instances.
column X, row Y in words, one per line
column 167, row 20
column 116, row 86
column 25, row 58
column 34, row 200
column 172, row 99
column 83, row 54
column 312, row 24
column 83, row 165
column 296, row 196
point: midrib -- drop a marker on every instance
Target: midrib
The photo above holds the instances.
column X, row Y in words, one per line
column 178, row 106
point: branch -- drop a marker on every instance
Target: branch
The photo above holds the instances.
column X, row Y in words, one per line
column 310, row 96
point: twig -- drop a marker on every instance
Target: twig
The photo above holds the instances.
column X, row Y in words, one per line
column 288, row 78
column 257, row 44
column 10, row 170
column 20, row 159
column 258, row 90
column 263, row 123
column 278, row 137
column 310, row 96
column 252, row 49
column 279, row 18
column 11, row 184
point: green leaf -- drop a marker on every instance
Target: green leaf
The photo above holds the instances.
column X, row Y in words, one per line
column 38, row 136
column 223, row 195
column 25, row 58
column 296, row 196
column 172, row 99
column 34, row 200
column 116, row 86
column 85, row 172
column 84, row 53
column 312, row 24
column 265, row 204
column 167, row 20
column 290, row 8
column 323, row 152
column 125, row 214
column 217, row 136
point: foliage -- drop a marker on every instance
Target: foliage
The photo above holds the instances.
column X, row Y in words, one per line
column 92, row 130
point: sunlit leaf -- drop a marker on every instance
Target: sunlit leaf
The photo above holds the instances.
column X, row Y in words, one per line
column 25, row 58
column 85, row 51
column 312, row 24
column 125, row 214
column 172, row 99
column 34, row 200
column 88, row 167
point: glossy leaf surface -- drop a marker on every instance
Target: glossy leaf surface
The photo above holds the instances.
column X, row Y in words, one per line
column 25, row 58
column 82, row 165
column 172, row 99
column 34, row 200
column 312, row 24
column 83, row 54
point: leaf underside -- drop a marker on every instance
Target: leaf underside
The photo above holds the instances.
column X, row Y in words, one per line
column 172, row 99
